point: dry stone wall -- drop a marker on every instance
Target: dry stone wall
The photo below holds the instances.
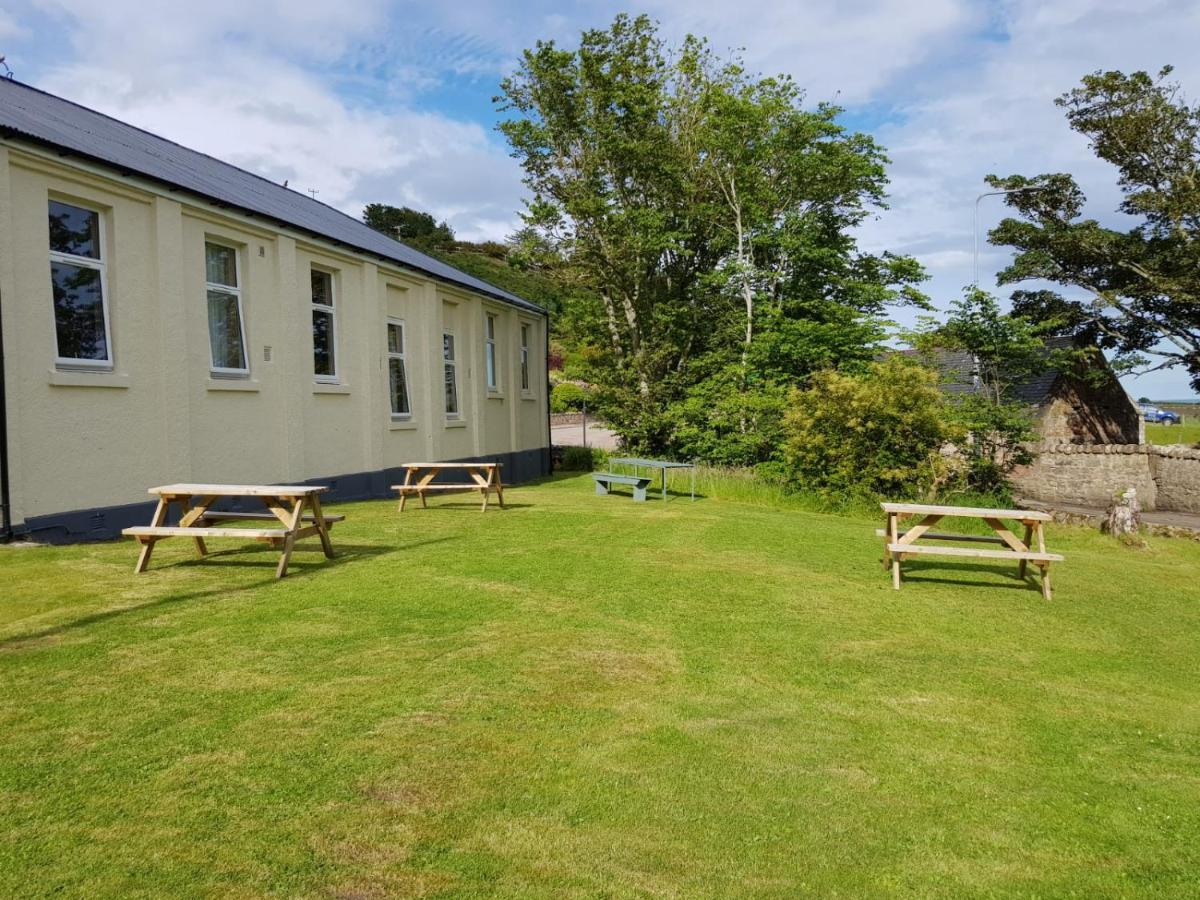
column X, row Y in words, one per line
column 1166, row 478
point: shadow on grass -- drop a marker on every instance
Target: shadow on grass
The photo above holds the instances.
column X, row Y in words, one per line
column 232, row 557
column 913, row 571
column 464, row 505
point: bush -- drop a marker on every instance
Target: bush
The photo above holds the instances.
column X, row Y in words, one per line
column 726, row 426
column 582, row 459
column 880, row 434
column 567, row 396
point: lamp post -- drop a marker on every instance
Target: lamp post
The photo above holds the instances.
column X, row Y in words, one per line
column 975, row 230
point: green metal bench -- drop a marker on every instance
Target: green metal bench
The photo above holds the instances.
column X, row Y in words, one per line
column 605, row 480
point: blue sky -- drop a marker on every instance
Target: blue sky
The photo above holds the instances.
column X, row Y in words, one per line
column 367, row 100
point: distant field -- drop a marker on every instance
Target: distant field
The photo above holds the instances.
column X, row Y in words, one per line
column 1187, row 433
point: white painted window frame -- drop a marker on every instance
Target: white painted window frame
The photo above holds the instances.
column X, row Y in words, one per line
column 452, row 362
column 402, row 355
column 236, row 292
column 331, row 309
column 524, row 330
column 100, row 265
column 491, row 361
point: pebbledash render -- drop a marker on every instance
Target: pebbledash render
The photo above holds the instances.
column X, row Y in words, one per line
column 167, row 317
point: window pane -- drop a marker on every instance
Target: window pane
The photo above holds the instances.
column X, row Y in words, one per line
column 448, row 347
column 74, row 230
column 451, row 391
column 323, row 361
column 395, row 338
column 491, row 327
column 399, row 387
column 524, row 369
column 524, row 335
column 221, row 265
column 78, row 312
column 225, row 331
column 491, row 365
column 322, row 288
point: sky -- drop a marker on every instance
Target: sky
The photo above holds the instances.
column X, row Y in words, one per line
column 373, row 101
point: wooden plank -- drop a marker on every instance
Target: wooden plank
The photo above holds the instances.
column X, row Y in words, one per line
column 321, row 525
column 239, row 490
column 1007, row 536
column 217, row 515
column 938, row 536
column 416, row 488
column 164, row 531
column 908, row 549
column 1021, row 566
column 920, row 509
column 289, row 542
column 450, row 465
column 917, row 530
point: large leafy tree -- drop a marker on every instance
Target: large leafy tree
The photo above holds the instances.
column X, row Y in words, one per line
column 412, row 226
column 712, row 214
column 1142, row 285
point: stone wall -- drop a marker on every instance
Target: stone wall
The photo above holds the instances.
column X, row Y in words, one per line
column 1166, row 478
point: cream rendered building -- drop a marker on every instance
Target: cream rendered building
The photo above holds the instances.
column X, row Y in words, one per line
column 168, row 317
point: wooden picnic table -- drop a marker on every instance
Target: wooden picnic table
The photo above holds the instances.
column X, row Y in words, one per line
column 285, row 505
column 898, row 545
column 662, row 464
column 418, row 478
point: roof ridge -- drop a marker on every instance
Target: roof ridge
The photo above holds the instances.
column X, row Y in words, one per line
column 417, row 259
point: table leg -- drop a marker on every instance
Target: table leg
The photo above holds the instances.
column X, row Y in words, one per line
column 499, row 485
column 160, row 516
column 693, row 483
column 289, row 543
column 1041, row 539
column 1023, row 567
column 322, row 528
column 484, row 488
column 407, row 481
column 664, row 483
column 894, row 537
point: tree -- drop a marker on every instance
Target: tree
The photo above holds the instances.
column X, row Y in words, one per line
column 419, row 229
column 713, row 217
column 1007, row 351
column 1143, row 285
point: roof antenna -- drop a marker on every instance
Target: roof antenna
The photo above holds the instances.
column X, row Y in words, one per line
column 312, row 192
column 8, row 73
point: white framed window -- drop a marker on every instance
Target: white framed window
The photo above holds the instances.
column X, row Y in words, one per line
column 397, row 370
column 79, row 285
column 525, row 388
column 226, row 325
column 324, row 327
column 489, row 348
column 450, row 370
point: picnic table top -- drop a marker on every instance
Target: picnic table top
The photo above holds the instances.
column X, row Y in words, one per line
column 652, row 463
column 448, row 465
column 978, row 512
column 239, row 490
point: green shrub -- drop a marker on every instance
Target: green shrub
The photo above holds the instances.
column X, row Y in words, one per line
column 876, row 435
column 582, row 459
column 566, row 396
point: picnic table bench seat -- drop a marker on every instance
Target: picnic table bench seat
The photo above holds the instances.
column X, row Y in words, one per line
column 604, row 480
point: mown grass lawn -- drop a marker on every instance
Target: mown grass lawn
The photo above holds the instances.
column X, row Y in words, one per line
column 1184, row 433
column 581, row 696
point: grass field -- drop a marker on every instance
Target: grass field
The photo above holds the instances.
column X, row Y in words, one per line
column 1186, row 433
column 580, row 696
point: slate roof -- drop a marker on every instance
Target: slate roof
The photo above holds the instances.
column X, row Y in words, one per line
column 35, row 115
column 958, row 372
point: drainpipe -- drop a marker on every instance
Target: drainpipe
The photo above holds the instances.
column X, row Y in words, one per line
column 549, row 435
column 6, row 529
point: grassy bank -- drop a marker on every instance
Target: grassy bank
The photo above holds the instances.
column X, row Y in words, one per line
column 583, row 696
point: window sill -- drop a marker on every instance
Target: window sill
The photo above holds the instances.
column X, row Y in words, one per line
column 525, row 396
column 455, row 423
column 327, row 387
column 495, row 395
column 88, row 378
column 233, row 384
column 402, row 425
